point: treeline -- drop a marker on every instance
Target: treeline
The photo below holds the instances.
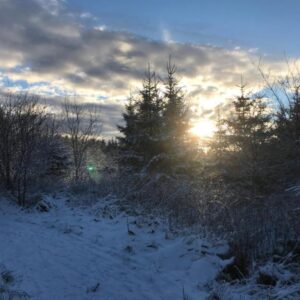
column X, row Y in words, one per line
column 235, row 187
column 40, row 151
column 255, row 144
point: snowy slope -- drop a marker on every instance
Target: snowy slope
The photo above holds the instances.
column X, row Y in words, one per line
column 75, row 253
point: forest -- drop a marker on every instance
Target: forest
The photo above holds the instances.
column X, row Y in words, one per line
column 241, row 185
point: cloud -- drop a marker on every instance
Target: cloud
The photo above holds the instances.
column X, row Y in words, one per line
column 48, row 47
column 166, row 35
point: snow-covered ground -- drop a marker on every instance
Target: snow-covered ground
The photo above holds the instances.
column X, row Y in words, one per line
column 102, row 253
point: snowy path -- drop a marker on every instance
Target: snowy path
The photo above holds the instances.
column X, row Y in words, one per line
column 65, row 253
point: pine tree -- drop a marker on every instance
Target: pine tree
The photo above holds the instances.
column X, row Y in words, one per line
column 58, row 162
column 149, row 121
column 247, row 138
column 218, row 144
column 142, row 130
column 156, row 123
column 129, row 141
column 175, row 115
column 286, row 146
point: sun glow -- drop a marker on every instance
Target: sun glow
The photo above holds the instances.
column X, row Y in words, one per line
column 204, row 128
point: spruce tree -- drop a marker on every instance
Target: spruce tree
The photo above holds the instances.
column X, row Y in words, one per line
column 149, row 121
column 286, row 146
column 142, row 129
column 129, row 141
column 175, row 115
column 218, row 144
column 247, row 138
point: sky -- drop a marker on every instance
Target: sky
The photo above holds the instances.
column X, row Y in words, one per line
column 99, row 50
column 270, row 25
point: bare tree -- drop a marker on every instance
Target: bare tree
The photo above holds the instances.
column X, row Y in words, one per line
column 82, row 123
column 22, row 132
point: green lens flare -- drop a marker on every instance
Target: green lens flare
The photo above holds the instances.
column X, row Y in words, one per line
column 91, row 168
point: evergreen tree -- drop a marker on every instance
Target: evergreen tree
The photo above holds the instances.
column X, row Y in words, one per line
column 286, row 146
column 175, row 115
column 149, row 121
column 129, row 141
column 142, row 130
column 58, row 157
column 247, row 138
column 156, row 127
column 219, row 143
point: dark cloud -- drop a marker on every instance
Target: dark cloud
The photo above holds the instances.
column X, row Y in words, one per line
column 54, row 46
column 55, row 43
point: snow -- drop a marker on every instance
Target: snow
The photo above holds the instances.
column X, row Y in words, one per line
column 287, row 286
column 100, row 252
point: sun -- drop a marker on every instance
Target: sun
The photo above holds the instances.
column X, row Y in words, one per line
column 203, row 128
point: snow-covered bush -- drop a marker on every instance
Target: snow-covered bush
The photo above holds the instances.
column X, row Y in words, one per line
column 30, row 147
